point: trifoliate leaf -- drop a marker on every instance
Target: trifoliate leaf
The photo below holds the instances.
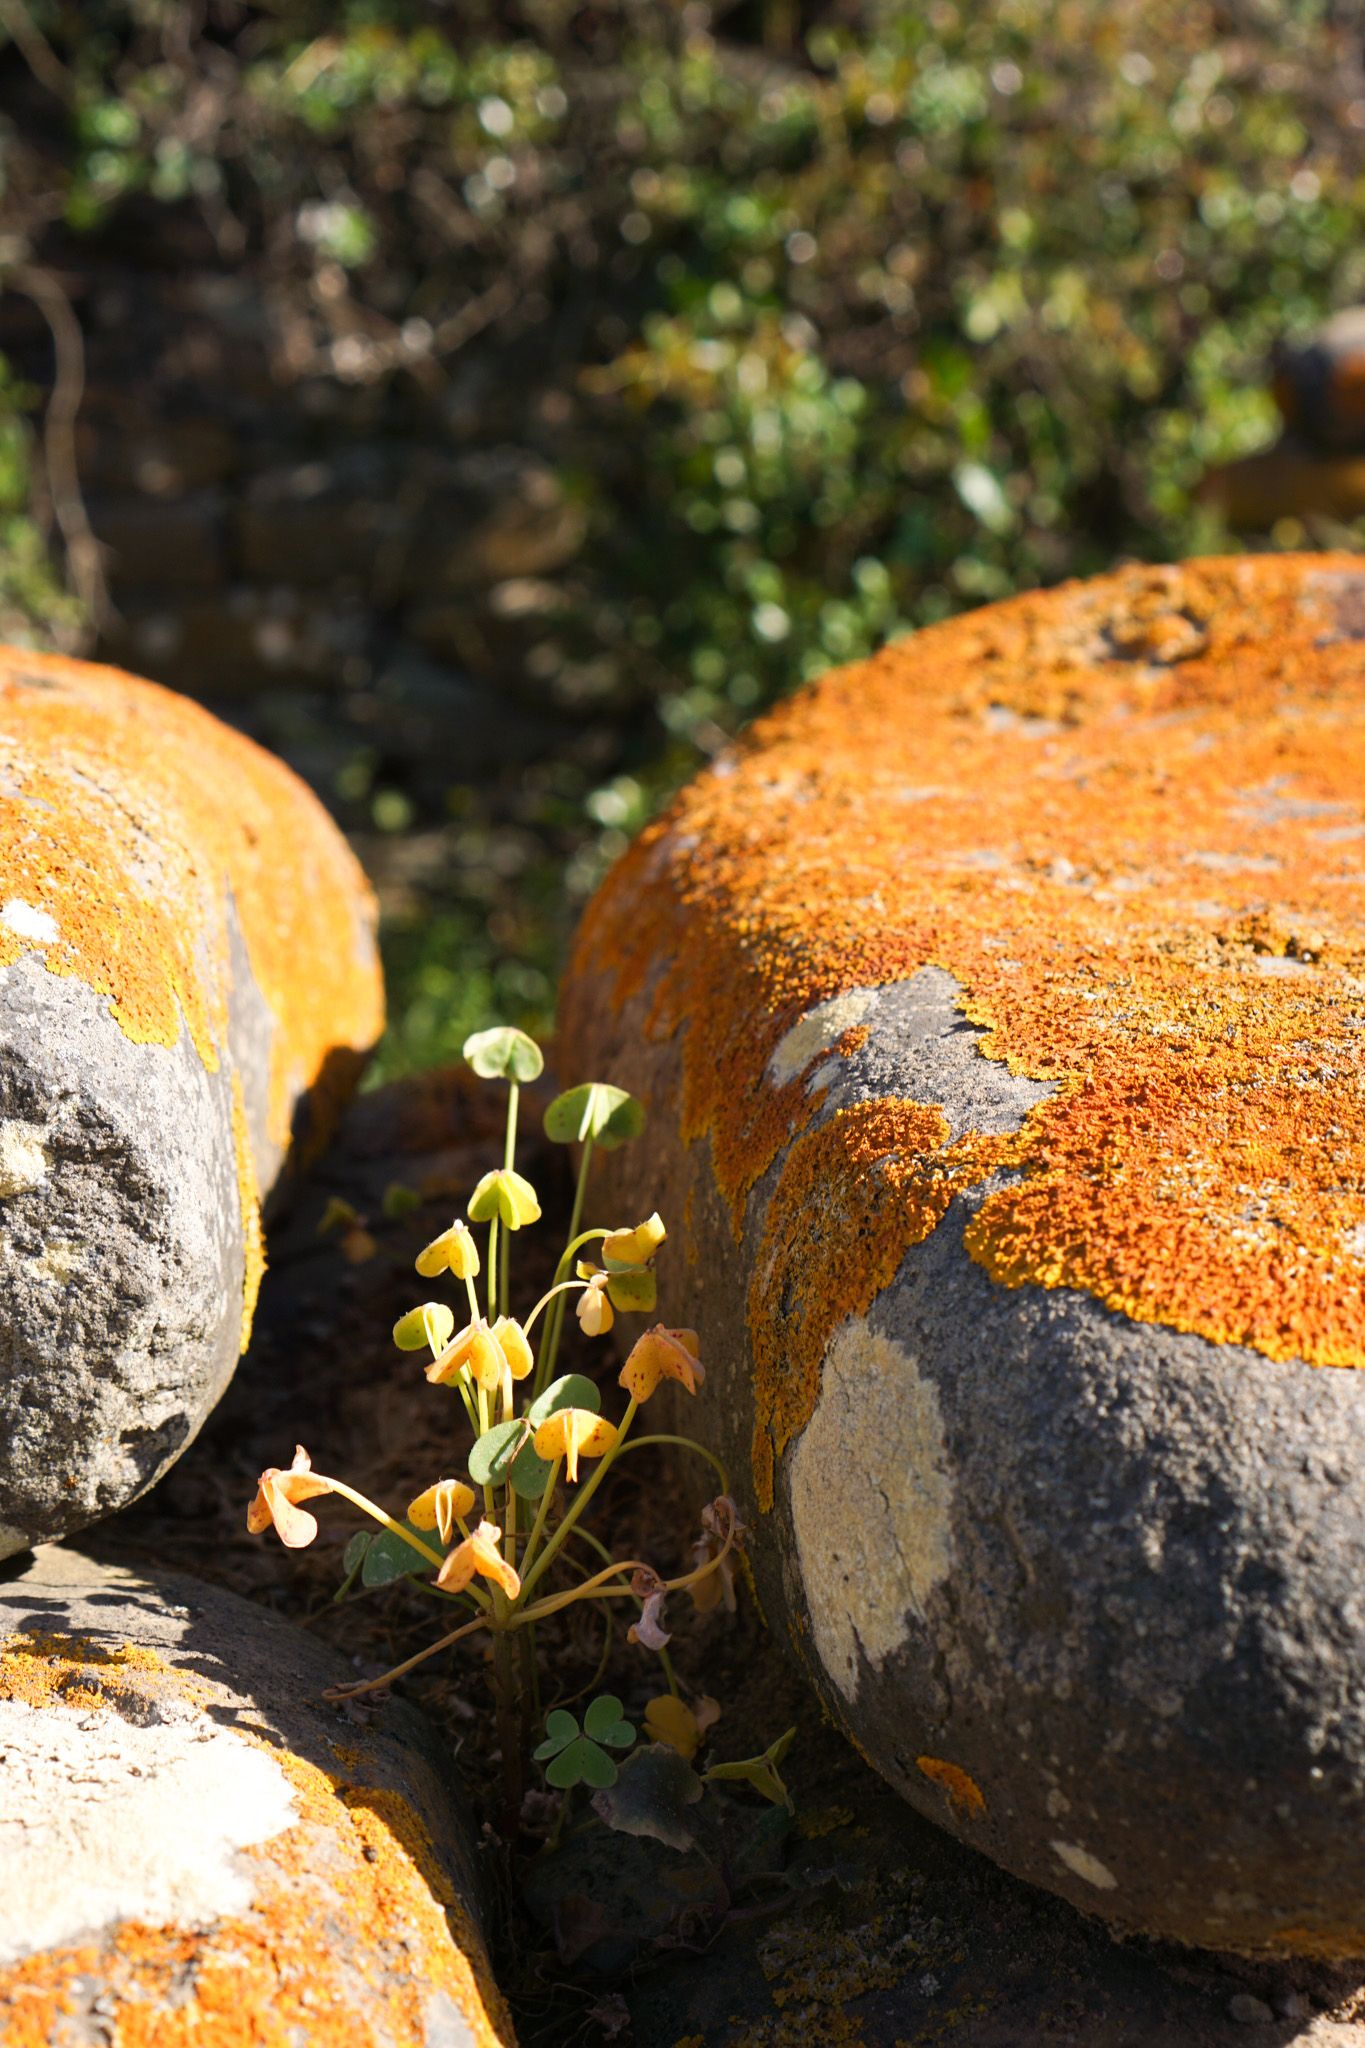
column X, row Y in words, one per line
column 504, row 1054
column 596, row 1110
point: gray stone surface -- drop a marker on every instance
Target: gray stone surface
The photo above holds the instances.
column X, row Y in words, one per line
column 1066, row 1530
column 191, row 1832
column 1111, row 1571
column 130, row 1187
column 123, row 1253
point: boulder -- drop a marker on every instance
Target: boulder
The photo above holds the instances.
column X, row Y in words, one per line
column 188, row 979
column 197, row 1848
column 999, row 1004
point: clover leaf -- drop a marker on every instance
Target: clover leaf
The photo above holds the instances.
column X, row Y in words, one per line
column 504, row 1054
column 760, row 1772
column 575, row 1757
column 607, row 1115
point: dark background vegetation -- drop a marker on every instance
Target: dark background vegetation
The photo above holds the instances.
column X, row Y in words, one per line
column 492, row 407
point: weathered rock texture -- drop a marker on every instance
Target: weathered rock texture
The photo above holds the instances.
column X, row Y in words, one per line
column 999, row 1004
column 196, row 1848
column 187, row 973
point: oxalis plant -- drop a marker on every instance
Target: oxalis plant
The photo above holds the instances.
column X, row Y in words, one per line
column 505, row 1544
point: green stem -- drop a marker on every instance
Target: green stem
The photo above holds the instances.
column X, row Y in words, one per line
column 492, row 1268
column 669, row 1673
column 688, row 1444
column 395, row 1528
column 538, row 1526
column 561, row 1287
column 545, row 1366
column 585, row 1494
column 557, row 1830
column 513, row 1097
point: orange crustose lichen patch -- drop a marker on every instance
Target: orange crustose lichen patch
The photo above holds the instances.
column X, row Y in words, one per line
column 352, row 1930
column 131, row 819
column 964, row 1794
column 248, row 1192
column 1128, row 817
column 827, row 1252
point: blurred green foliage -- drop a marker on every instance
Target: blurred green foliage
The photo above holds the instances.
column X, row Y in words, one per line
column 838, row 318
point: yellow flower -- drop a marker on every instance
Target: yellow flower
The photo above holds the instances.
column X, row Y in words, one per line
column 475, row 1350
column 662, row 1355
column 593, row 1309
column 515, row 1347
column 574, row 1433
column 634, row 1247
column 430, row 1324
column 518, row 1359
column 441, row 1506
column 479, row 1553
column 507, row 1195
column 277, row 1495
column 454, row 1251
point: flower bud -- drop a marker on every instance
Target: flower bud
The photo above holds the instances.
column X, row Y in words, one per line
column 454, row 1251
column 506, row 1194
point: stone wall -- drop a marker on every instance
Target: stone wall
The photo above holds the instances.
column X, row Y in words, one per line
column 360, row 569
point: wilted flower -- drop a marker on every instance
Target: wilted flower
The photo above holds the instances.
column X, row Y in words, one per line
column 649, row 1630
column 506, row 1194
column 574, row 1433
column 634, row 1247
column 719, row 1520
column 479, row 1553
column 662, row 1354
column 441, row 1507
column 454, row 1251
column 431, row 1324
column 277, row 1495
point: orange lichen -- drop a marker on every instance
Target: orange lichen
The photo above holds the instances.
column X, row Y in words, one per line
column 248, row 1194
column 133, row 820
column 827, row 1252
column 1127, row 818
column 352, row 1930
column 964, row 1794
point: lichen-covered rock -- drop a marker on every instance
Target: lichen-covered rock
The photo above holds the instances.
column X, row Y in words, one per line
column 1000, row 1004
column 195, row 1848
column 187, row 973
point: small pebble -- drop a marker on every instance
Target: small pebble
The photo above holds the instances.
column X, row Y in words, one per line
column 1252, row 2012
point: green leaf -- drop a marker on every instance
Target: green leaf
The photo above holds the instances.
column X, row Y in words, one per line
column 353, row 1557
column 560, row 1729
column 604, row 1723
column 504, row 1054
column 573, row 1391
column 633, row 1290
column 495, row 1459
column 399, row 1200
column 760, row 1772
column 581, row 1763
column 607, row 1115
column 429, row 1327
column 388, row 1558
